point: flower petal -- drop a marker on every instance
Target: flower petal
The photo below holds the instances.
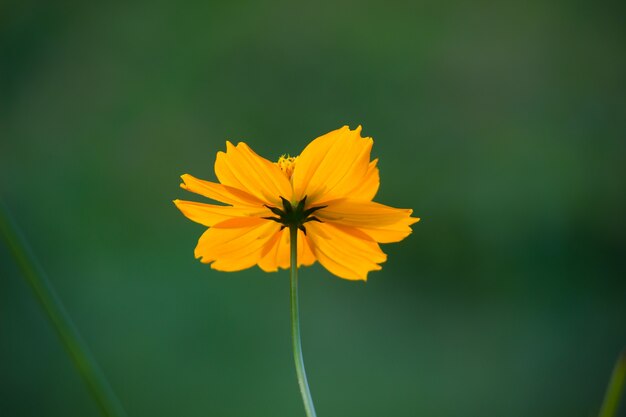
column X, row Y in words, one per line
column 383, row 223
column 219, row 192
column 306, row 256
column 361, row 213
column 276, row 253
column 210, row 214
column 238, row 222
column 241, row 168
column 390, row 233
column 368, row 187
column 332, row 165
column 270, row 260
column 345, row 251
column 234, row 248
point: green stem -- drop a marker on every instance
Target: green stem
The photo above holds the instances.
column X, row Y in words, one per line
column 295, row 328
column 60, row 320
column 615, row 388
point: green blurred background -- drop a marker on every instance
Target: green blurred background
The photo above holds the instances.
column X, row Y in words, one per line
column 503, row 125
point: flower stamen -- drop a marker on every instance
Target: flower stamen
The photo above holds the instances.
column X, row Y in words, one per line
column 287, row 164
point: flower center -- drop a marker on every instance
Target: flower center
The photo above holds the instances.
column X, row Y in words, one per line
column 287, row 164
column 294, row 217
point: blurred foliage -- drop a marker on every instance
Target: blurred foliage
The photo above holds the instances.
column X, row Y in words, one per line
column 502, row 125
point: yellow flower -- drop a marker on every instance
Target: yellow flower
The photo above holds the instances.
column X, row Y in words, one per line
column 326, row 192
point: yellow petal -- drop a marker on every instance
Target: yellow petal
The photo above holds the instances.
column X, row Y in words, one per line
column 345, row 251
column 332, row 165
column 368, row 187
column 234, row 249
column 210, row 214
column 390, row 233
column 277, row 253
column 241, row 168
column 360, row 213
column 219, row 192
column 306, row 256
column 383, row 223
column 269, row 261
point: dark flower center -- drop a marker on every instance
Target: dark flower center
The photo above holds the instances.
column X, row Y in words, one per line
column 294, row 217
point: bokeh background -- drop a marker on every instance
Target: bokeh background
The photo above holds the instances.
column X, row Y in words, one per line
column 502, row 125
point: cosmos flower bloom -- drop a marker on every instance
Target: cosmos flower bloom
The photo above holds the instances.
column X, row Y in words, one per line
column 326, row 192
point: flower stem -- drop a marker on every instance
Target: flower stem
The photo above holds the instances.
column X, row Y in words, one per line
column 60, row 320
column 615, row 388
column 295, row 328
